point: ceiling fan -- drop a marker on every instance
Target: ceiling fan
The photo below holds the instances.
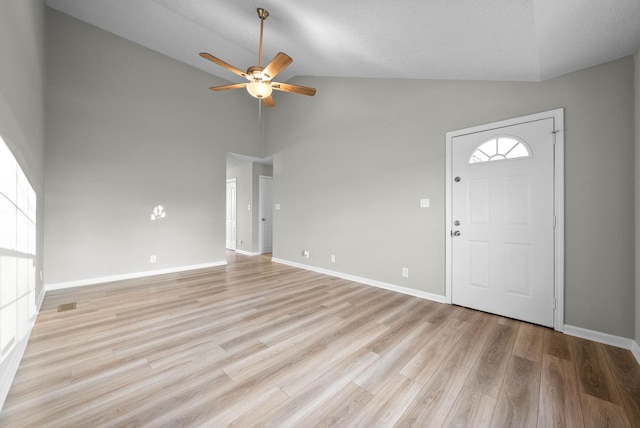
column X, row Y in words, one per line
column 260, row 83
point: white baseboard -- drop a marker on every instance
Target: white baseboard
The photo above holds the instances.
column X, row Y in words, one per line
column 101, row 280
column 379, row 284
column 607, row 339
column 11, row 364
column 247, row 253
column 635, row 350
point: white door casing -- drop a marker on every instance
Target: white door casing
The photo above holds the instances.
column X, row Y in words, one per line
column 266, row 215
column 508, row 257
column 231, row 222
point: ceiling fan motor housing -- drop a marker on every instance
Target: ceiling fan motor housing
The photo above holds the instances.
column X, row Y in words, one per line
column 258, row 73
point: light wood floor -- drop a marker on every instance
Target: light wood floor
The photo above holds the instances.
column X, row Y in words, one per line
column 256, row 343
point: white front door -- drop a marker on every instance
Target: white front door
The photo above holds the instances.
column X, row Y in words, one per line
column 266, row 214
column 231, row 215
column 503, row 219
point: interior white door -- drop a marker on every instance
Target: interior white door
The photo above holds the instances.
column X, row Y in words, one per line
column 502, row 227
column 231, row 215
column 266, row 215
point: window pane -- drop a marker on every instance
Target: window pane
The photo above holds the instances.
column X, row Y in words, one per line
column 519, row 151
column 7, row 224
column 31, row 235
column 505, row 144
column 22, row 238
column 32, row 276
column 22, row 200
column 7, row 172
column 32, row 204
column 8, row 323
column 489, row 147
column 8, row 279
column 478, row 156
column 23, row 277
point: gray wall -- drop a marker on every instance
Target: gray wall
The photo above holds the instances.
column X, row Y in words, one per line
column 637, row 194
column 247, row 193
column 22, row 95
column 128, row 129
column 351, row 164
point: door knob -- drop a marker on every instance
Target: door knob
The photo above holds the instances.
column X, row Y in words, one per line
column 456, row 233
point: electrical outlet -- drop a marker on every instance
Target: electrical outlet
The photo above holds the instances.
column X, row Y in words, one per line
column 333, row 258
column 305, row 253
column 405, row 272
column 153, row 259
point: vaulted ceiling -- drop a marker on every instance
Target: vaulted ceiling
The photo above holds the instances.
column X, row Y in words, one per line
column 524, row 40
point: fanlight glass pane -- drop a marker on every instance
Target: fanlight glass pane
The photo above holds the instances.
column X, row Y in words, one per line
column 478, row 156
column 500, row 148
column 505, row 144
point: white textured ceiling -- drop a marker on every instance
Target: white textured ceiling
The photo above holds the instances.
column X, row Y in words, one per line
column 526, row 40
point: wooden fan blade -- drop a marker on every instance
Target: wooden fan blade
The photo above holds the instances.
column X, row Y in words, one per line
column 223, row 64
column 296, row 89
column 227, row 87
column 277, row 64
column 269, row 101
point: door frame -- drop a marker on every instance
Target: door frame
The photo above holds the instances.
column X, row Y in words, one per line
column 261, row 180
column 558, row 185
column 235, row 185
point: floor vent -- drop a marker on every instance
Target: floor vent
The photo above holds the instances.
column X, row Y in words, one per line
column 67, row 307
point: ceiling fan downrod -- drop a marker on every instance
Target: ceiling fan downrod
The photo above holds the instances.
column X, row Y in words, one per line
column 262, row 14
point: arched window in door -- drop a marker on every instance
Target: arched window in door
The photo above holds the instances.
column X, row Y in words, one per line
column 500, row 148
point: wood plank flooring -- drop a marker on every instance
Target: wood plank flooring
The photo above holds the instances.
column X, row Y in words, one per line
column 256, row 343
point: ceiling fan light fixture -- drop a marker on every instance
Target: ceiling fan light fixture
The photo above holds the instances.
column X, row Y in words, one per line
column 259, row 89
column 260, row 78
